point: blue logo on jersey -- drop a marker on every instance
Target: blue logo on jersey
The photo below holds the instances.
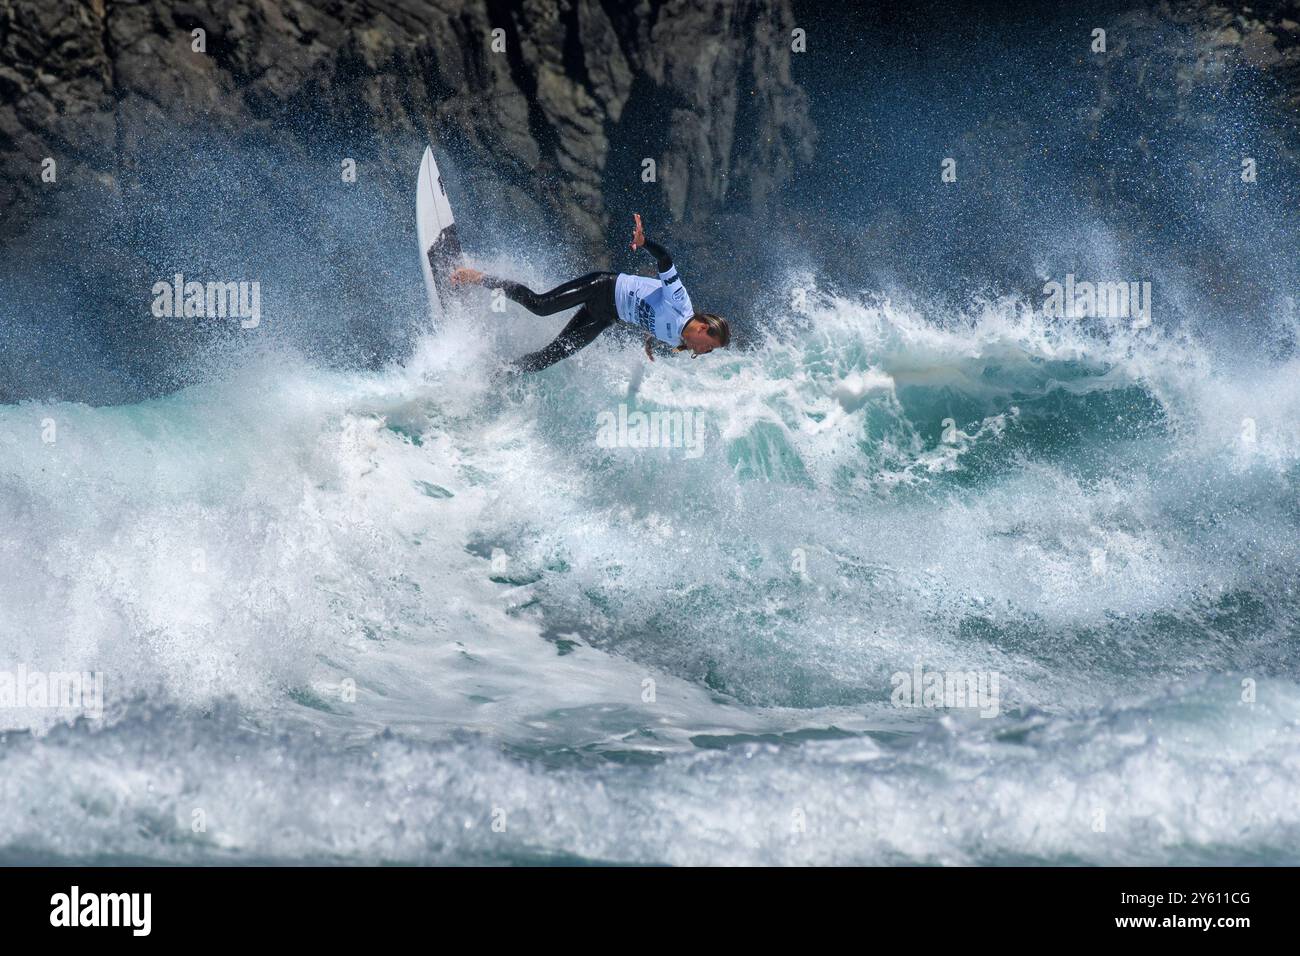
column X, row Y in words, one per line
column 645, row 316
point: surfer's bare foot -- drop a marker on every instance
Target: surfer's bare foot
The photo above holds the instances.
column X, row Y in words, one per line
column 466, row 276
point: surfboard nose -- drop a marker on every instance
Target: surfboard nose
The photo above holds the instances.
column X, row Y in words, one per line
column 440, row 251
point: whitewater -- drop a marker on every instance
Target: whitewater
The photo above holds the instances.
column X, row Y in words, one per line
column 422, row 615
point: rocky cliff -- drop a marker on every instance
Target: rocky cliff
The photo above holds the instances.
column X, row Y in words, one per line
column 201, row 134
column 562, row 101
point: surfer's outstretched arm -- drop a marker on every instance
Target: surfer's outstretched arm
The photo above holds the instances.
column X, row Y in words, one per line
column 663, row 258
column 667, row 273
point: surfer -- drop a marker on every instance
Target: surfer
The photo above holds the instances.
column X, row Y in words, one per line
column 659, row 307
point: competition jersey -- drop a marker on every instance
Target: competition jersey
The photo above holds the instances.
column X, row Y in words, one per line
column 659, row 306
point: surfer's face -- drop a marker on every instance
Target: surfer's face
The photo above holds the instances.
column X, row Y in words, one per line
column 696, row 338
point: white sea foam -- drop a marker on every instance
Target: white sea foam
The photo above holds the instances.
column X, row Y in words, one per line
column 436, row 549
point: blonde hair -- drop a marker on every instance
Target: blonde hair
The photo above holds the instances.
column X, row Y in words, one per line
column 716, row 327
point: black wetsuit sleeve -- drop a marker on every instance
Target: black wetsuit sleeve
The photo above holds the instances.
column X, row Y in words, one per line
column 660, row 253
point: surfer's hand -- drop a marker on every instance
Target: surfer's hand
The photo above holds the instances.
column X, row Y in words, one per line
column 649, row 341
column 466, row 276
column 638, row 233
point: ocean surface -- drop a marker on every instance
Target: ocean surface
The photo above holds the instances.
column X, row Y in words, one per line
column 422, row 614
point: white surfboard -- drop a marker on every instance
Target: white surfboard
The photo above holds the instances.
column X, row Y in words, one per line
column 436, row 229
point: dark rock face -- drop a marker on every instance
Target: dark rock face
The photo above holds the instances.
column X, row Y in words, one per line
column 581, row 93
column 217, row 163
column 1184, row 74
column 1242, row 35
column 1264, row 35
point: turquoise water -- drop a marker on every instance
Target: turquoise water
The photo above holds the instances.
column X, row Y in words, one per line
column 422, row 615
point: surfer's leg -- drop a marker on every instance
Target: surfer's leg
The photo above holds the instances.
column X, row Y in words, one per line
column 577, row 334
column 575, row 292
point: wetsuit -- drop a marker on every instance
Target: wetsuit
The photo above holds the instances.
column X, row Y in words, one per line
column 660, row 307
